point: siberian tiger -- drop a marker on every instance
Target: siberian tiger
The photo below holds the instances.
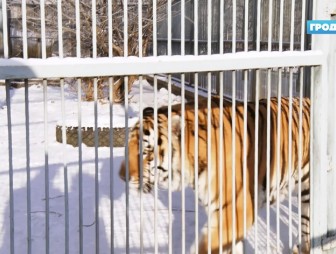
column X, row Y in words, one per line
column 188, row 163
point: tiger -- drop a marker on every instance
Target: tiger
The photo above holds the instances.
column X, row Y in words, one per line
column 225, row 208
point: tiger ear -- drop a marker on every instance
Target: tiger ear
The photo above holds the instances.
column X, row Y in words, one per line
column 176, row 124
column 149, row 111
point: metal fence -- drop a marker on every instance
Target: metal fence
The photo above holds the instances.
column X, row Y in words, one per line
column 283, row 11
column 207, row 181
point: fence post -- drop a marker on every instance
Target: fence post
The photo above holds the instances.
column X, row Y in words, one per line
column 1, row 30
column 329, row 243
column 323, row 142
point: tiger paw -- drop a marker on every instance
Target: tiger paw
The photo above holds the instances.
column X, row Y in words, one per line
column 305, row 249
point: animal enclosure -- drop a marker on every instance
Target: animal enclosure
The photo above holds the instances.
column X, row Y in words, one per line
column 204, row 116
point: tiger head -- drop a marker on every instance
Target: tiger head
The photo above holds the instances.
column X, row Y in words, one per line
column 153, row 165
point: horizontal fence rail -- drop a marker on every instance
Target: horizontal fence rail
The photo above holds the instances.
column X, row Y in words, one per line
column 80, row 67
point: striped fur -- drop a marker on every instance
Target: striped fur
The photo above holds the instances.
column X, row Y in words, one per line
column 189, row 162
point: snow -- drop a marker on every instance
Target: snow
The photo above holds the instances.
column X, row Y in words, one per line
column 56, row 155
column 118, row 109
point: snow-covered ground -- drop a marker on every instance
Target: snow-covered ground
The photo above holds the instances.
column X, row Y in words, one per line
column 58, row 154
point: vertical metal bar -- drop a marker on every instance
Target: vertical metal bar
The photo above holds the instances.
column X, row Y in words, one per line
column 234, row 219
column 125, row 19
column 303, row 19
column 59, row 28
column 221, row 157
column 43, row 30
column 110, row 27
column 209, row 129
column 246, row 41
column 169, row 27
column 300, row 161
column 95, row 88
column 195, row 29
column 46, row 155
column 268, row 145
column 245, row 157
column 66, row 189
column 292, row 25
column 24, row 29
column 125, row 14
column 111, row 81
column 234, row 25
column 140, row 26
column 246, row 25
column 281, row 24
column 156, row 246
column 318, row 156
column 209, row 28
column 79, row 133
column 321, row 76
column 80, row 165
column 95, row 91
column 29, row 238
column 78, row 38
column 221, row 125
column 94, row 29
column 183, row 128
column 169, row 51
column 154, row 28
column 256, row 168
column 140, row 45
column 182, row 27
column 312, row 161
column 196, row 162
column 141, row 125
column 127, row 165
column 141, row 161
column 278, row 161
column 279, row 129
column 183, row 159
column 331, row 145
column 5, row 29
column 10, row 163
column 196, row 125
column 268, row 159
column 270, row 24
column 221, row 26
column 290, row 170
column 25, row 56
column 170, row 216
column 46, row 160
column 258, row 25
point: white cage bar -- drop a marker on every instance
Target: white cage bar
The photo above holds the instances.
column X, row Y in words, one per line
column 211, row 59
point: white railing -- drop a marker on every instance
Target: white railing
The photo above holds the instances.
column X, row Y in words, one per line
column 321, row 59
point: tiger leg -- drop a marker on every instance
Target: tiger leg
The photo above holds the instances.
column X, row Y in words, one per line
column 214, row 231
column 305, row 221
column 226, row 231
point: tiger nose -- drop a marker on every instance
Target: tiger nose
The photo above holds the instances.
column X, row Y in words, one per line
column 122, row 177
column 122, row 172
